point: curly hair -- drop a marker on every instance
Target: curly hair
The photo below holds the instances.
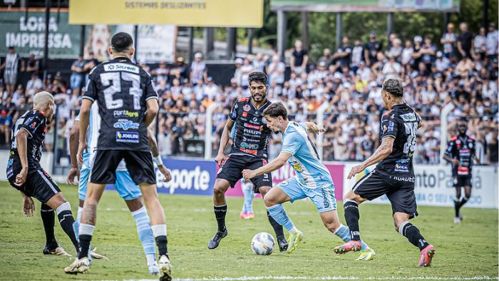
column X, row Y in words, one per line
column 394, row 87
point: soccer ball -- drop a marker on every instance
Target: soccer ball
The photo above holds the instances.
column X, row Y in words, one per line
column 262, row 243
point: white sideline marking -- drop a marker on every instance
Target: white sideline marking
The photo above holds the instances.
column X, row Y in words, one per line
column 258, row 278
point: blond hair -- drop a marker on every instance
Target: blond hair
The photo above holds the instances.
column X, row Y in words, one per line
column 42, row 98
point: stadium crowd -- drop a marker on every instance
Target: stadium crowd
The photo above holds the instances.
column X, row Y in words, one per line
column 460, row 68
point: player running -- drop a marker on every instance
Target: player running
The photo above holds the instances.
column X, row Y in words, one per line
column 393, row 176
column 26, row 175
column 461, row 153
column 312, row 179
column 128, row 104
column 124, row 184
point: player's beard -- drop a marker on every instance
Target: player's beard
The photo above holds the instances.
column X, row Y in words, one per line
column 260, row 97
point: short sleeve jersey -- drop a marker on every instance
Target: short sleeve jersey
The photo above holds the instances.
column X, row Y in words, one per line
column 305, row 160
column 121, row 90
column 35, row 123
column 462, row 149
column 251, row 135
column 400, row 123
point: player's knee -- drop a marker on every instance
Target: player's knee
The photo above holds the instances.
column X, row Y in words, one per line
column 269, row 200
column 352, row 196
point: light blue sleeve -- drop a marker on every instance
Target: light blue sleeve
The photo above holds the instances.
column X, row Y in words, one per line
column 292, row 142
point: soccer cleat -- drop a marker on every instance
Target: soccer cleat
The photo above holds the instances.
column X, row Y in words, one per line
column 250, row 215
column 457, row 220
column 426, row 256
column 242, row 215
column 97, row 256
column 366, row 255
column 57, row 251
column 165, row 269
column 78, row 266
column 283, row 244
column 216, row 239
column 349, row 246
column 294, row 239
column 153, row 269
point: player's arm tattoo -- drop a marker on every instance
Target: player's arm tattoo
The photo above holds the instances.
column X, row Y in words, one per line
column 381, row 153
column 153, row 144
column 224, row 139
column 73, row 143
column 273, row 165
column 22, row 147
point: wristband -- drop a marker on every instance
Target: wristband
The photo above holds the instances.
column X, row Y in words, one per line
column 157, row 160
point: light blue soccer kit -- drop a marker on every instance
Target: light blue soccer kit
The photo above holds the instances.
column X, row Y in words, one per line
column 312, row 179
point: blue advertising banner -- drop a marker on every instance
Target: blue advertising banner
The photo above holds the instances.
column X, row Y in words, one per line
column 193, row 177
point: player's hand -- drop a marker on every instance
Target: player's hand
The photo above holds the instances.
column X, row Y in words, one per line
column 21, row 177
column 74, row 172
column 166, row 173
column 81, row 149
column 455, row 162
column 248, row 174
column 355, row 170
column 29, row 206
column 314, row 128
column 220, row 159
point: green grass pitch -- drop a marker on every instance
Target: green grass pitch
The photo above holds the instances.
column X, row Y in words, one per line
column 466, row 250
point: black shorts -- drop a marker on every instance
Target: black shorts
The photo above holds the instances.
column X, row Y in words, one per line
column 138, row 163
column 38, row 184
column 400, row 192
column 462, row 181
column 233, row 168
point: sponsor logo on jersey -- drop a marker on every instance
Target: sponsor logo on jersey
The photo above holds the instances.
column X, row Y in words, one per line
column 125, row 124
column 408, row 117
column 121, row 67
column 127, row 137
column 252, row 126
column 125, row 113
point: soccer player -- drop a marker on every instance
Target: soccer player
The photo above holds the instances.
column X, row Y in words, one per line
column 128, row 104
column 124, row 184
column 393, row 175
column 313, row 179
column 25, row 173
column 461, row 153
column 249, row 149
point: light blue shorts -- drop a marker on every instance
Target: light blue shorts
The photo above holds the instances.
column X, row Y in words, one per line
column 124, row 184
column 323, row 196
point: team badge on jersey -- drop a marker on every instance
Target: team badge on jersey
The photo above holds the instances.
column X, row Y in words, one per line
column 246, row 107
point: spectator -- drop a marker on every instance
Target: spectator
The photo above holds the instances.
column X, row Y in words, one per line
column 90, row 63
column 10, row 67
column 299, row 58
column 491, row 42
column 326, row 57
column 371, row 49
column 357, row 55
column 448, row 40
column 343, row 55
column 275, row 71
column 34, row 85
column 161, row 72
column 480, row 44
column 198, row 71
column 31, row 65
column 464, row 41
column 76, row 79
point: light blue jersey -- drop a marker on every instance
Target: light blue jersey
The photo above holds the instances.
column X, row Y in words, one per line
column 312, row 179
column 305, row 160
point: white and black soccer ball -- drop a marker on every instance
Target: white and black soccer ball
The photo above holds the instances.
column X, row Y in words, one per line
column 262, row 243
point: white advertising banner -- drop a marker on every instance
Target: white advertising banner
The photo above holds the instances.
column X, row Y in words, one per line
column 434, row 186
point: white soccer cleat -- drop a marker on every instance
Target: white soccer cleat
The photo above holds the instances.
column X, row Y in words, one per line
column 457, row 220
column 59, row 251
column 165, row 269
column 153, row 269
column 78, row 266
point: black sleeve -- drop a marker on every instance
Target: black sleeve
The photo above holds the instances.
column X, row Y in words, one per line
column 32, row 124
column 450, row 151
column 149, row 90
column 233, row 113
column 388, row 126
column 91, row 87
